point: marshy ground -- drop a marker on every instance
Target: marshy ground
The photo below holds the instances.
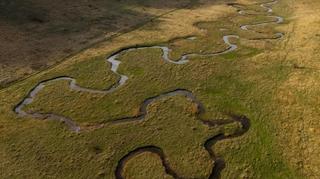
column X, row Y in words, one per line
column 243, row 102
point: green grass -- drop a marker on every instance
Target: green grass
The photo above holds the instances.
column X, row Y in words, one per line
column 167, row 115
column 93, row 73
column 145, row 165
column 242, row 82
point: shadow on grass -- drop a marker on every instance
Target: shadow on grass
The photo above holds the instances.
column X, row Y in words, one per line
column 38, row 33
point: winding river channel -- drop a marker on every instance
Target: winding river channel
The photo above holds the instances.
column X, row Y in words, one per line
column 114, row 68
column 115, row 63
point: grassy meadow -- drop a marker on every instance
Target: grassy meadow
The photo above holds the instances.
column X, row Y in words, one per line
column 265, row 80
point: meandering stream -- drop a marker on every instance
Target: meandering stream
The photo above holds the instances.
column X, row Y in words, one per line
column 115, row 63
column 219, row 161
column 269, row 10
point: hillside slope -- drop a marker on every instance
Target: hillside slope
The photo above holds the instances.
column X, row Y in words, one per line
column 36, row 34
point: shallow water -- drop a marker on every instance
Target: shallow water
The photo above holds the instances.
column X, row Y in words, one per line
column 115, row 63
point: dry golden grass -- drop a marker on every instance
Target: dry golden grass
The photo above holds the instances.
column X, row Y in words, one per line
column 72, row 153
column 276, row 85
column 37, row 34
column 298, row 96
